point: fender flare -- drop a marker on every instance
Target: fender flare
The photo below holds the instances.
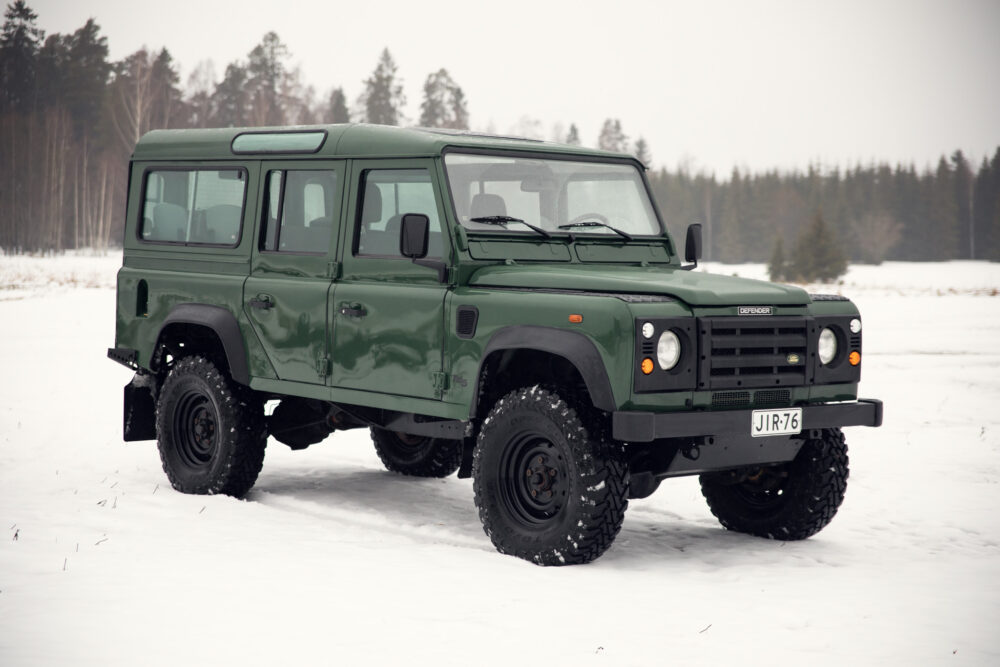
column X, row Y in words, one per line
column 573, row 346
column 225, row 326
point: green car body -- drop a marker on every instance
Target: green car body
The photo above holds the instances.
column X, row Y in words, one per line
column 329, row 315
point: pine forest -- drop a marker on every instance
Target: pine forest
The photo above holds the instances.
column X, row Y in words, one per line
column 70, row 117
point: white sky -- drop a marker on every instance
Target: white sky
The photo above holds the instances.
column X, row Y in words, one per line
column 778, row 84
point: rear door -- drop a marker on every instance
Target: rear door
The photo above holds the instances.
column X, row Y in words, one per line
column 388, row 312
column 293, row 265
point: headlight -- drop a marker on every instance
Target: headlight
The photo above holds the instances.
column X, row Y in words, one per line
column 827, row 346
column 668, row 350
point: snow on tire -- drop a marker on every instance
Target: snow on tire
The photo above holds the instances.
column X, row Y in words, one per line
column 549, row 484
column 210, row 430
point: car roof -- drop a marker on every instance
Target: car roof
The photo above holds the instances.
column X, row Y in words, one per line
column 358, row 140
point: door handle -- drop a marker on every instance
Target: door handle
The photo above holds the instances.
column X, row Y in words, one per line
column 262, row 301
column 352, row 310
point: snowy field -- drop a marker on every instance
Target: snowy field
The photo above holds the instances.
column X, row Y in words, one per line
column 331, row 560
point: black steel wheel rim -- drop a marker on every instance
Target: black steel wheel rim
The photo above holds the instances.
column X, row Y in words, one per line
column 765, row 489
column 410, row 448
column 534, row 480
column 196, row 429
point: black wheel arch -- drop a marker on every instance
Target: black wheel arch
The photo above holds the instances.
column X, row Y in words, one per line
column 576, row 348
column 219, row 321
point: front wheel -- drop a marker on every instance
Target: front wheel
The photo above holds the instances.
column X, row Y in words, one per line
column 210, row 430
column 550, row 487
column 791, row 501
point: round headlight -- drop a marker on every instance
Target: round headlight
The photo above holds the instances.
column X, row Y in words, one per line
column 648, row 330
column 668, row 350
column 827, row 346
column 855, row 325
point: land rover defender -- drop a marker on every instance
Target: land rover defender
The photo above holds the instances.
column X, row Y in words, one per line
column 509, row 309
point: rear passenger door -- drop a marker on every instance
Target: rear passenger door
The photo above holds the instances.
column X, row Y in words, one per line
column 389, row 312
column 293, row 265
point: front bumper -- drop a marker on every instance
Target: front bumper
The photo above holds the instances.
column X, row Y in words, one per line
column 649, row 426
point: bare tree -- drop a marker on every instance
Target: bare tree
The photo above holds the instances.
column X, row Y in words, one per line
column 877, row 233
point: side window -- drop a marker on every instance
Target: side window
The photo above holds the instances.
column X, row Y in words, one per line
column 299, row 213
column 194, row 206
column 388, row 194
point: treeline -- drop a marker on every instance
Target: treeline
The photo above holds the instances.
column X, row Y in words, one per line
column 873, row 212
column 69, row 119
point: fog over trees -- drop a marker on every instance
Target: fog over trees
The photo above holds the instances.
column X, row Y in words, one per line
column 70, row 117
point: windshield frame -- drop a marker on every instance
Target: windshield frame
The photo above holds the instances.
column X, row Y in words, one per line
column 563, row 235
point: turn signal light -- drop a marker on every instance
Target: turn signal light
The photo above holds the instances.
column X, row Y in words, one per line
column 576, row 319
column 647, row 365
column 854, row 358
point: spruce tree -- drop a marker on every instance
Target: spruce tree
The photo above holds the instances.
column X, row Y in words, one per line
column 337, row 108
column 383, row 97
column 818, row 254
column 642, row 151
column 573, row 135
column 20, row 43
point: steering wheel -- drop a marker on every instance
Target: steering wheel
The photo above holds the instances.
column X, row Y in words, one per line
column 588, row 217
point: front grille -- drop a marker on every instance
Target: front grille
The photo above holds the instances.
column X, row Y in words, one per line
column 753, row 352
column 742, row 399
column 731, row 399
column 772, row 397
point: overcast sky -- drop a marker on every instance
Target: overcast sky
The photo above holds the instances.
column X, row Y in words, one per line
column 716, row 84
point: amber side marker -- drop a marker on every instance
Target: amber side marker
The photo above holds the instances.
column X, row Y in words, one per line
column 854, row 358
column 576, row 319
column 647, row 366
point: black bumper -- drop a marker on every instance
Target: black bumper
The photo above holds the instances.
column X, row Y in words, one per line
column 650, row 426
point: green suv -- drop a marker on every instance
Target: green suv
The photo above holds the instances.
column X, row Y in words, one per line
column 509, row 309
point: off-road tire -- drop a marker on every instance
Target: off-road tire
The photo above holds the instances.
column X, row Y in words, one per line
column 534, row 441
column 210, row 430
column 417, row 456
column 792, row 501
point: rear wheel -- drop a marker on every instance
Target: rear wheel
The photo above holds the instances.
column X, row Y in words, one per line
column 210, row 430
column 550, row 487
column 792, row 501
column 415, row 455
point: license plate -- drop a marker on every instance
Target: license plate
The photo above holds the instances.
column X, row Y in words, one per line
column 776, row 422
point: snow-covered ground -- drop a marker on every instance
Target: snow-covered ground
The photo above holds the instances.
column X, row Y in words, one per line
column 332, row 560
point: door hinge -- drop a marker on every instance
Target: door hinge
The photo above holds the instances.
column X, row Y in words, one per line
column 439, row 381
column 323, row 366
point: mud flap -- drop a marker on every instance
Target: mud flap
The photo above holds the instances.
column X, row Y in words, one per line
column 139, row 420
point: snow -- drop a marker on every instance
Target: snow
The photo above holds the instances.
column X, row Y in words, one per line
column 332, row 560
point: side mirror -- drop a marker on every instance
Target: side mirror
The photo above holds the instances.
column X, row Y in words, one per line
column 692, row 247
column 413, row 236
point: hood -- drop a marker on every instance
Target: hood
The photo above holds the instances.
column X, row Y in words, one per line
column 691, row 287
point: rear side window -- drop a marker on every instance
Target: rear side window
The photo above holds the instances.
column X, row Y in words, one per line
column 300, row 211
column 194, row 206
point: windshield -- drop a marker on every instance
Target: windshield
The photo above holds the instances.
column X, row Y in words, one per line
column 517, row 194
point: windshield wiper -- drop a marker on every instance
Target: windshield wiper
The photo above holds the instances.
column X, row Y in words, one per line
column 594, row 223
column 502, row 220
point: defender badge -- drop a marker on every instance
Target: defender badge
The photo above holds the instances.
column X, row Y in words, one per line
column 755, row 310
column 793, row 358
